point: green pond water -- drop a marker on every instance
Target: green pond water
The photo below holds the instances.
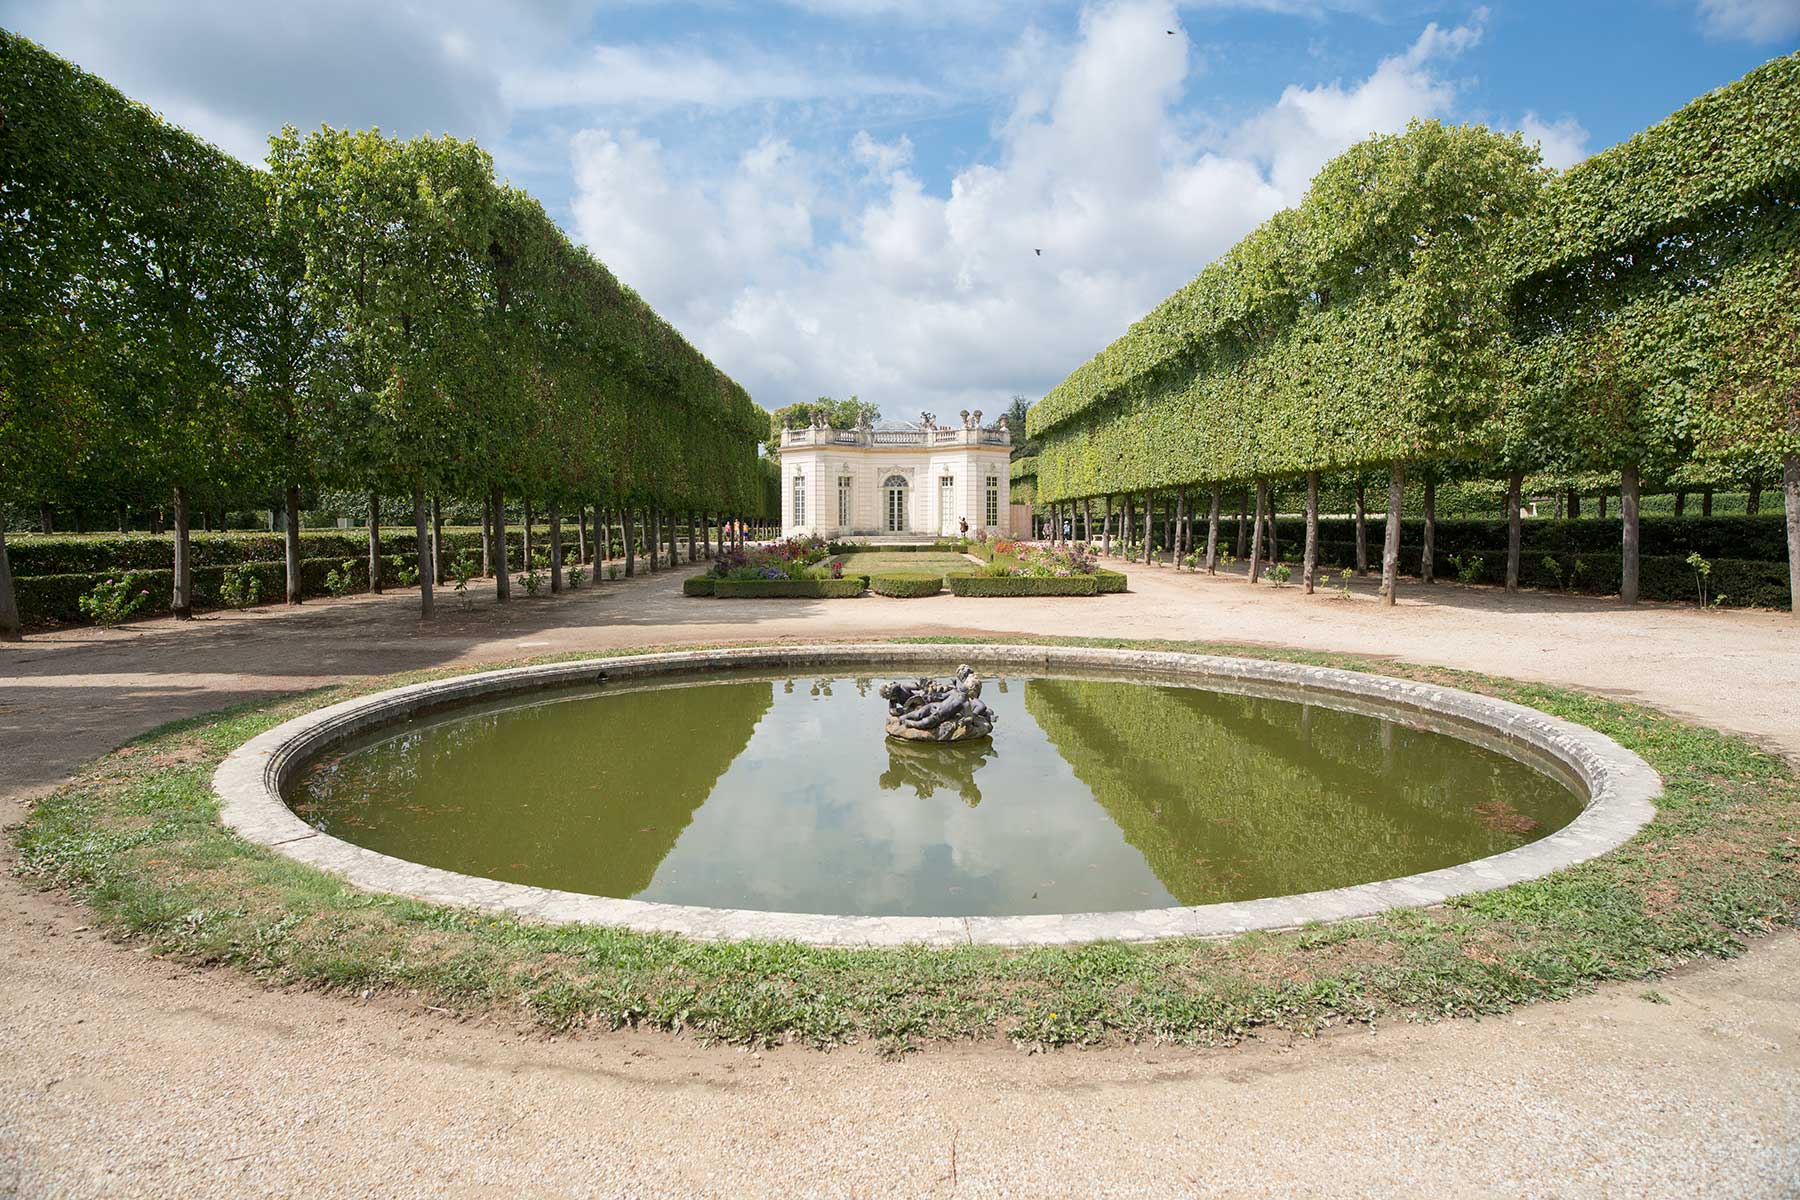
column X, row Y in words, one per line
column 783, row 794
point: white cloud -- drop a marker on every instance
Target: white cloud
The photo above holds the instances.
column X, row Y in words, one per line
column 1751, row 20
column 664, row 76
column 1309, row 125
column 921, row 300
column 1563, row 142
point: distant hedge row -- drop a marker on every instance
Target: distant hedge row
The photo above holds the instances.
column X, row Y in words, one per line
column 152, row 552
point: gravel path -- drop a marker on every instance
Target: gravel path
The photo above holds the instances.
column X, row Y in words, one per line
column 120, row 1075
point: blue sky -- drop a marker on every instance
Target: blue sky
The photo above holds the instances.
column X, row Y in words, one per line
column 837, row 196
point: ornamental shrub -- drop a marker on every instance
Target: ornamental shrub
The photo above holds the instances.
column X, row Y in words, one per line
column 112, row 601
column 699, row 585
column 791, row 589
column 906, row 585
column 1024, row 585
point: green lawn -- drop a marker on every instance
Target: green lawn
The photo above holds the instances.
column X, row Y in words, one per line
column 876, row 562
column 136, row 838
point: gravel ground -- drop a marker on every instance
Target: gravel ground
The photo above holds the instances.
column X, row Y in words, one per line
column 124, row 1076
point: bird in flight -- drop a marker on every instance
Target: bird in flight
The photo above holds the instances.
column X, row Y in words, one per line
column 1170, row 32
column 1039, row 253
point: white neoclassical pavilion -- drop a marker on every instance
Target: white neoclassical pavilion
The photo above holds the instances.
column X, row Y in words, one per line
column 894, row 480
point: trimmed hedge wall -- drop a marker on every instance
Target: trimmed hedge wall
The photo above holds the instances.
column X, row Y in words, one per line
column 1109, row 582
column 57, row 597
column 906, row 587
column 699, row 585
column 849, row 587
column 1024, row 585
column 1748, row 554
column 37, row 555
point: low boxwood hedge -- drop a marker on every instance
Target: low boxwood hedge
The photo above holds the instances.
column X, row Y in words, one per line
column 1024, row 585
column 1106, row 582
column 699, row 585
column 112, row 553
column 58, row 597
column 906, row 585
column 846, row 588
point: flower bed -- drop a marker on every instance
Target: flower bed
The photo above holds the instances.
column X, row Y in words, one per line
column 797, row 567
column 846, row 588
column 906, row 585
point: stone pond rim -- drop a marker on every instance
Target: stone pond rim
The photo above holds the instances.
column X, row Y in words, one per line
column 1621, row 789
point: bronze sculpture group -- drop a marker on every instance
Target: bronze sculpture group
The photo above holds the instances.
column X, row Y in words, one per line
column 939, row 710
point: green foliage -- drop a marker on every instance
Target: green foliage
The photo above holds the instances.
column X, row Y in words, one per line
column 112, row 601
column 462, row 570
column 906, row 585
column 1279, row 574
column 839, row 414
column 536, row 574
column 369, row 314
column 1365, row 325
column 698, row 585
column 240, row 587
column 1024, row 585
column 1469, row 567
column 342, row 580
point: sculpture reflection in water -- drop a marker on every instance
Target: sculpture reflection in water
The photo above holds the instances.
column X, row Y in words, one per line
column 925, row 769
column 938, row 711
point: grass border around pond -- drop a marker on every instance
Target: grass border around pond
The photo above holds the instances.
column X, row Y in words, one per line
column 135, row 837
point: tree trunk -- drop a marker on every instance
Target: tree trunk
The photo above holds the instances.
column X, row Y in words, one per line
column 1601, row 505
column 46, row 519
column 423, row 555
column 1309, row 554
column 1274, row 542
column 1127, row 527
column 705, row 535
column 1390, row 545
column 556, row 574
column 628, row 523
column 1514, row 485
column 653, row 544
column 374, row 544
column 1243, row 535
column 1106, row 515
column 290, row 540
column 1628, row 522
column 81, row 520
column 1212, row 534
column 124, row 520
column 1752, row 501
column 581, row 538
column 1680, row 504
column 11, row 628
column 1428, row 557
column 1256, row 531
column 1574, row 505
column 181, row 601
column 674, row 543
column 1180, row 539
column 502, row 551
column 439, row 563
column 1360, row 507
column 1790, row 487
column 691, row 522
column 525, row 551
column 487, row 536
column 1706, row 502
column 1149, row 526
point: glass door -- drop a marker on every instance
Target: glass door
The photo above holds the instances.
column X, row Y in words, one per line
column 894, row 489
